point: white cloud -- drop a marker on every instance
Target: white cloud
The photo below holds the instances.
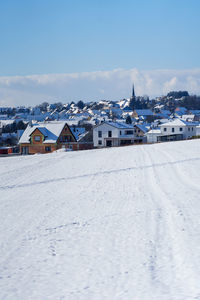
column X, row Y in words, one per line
column 92, row 86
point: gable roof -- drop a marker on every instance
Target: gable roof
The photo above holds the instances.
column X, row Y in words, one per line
column 119, row 125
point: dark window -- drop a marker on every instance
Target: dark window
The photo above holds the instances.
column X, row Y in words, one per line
column 165, row 129
column 65, row 138
column 48, row 148
column 99, row 142
column 99, row 134
column 188, row 128
column 192, row 128
column 120, row 132
column 68, row 138
column 172, row 129
column 181, row 129
column 130, row 131
column 109, row 133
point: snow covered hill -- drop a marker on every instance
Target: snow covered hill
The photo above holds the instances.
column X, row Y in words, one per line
column 110, row 224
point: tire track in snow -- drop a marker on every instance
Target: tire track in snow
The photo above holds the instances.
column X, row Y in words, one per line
column 172, row 239
column 156, row 165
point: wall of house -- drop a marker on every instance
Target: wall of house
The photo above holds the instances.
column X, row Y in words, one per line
column 138, row 132
column 6, row 150
column 38, row 148
column 104, row 128
column 66, row 136
column 66, row 140
column 198, row 130
column 190, row 131
column 152, row 137
column 85, row 146
column 187, row 130
column 36, row 133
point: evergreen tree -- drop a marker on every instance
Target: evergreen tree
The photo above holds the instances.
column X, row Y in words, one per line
column 80, row 104
column 128, row 120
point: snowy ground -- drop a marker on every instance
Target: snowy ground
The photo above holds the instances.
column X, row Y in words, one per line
column 111, row 224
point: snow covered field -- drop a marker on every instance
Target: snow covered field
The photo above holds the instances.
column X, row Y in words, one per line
column 110, row 224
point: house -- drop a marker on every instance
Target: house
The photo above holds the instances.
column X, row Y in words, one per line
column 140, row 130
column 109, row 134
column 49, row 136
column 179, row 111
column 162, row 114
column 174, row 130
column 6, row 150
column 145, row 114
column 178, row 129
column 153, row 135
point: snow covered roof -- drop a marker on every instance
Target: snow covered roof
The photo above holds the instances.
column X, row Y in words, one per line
column 143, row 127
column 78, row 132
column 178, row 122
column 181, row 109
column 195, row 111
column 51, row 131
column 127, row 108
column 119, row 125
column 154, row 131
column 144, row 112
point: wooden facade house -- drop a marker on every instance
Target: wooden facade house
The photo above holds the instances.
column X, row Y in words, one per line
column 50, row 136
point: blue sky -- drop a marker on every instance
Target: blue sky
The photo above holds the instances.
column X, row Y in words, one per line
column 74, row 36
column 64, row 37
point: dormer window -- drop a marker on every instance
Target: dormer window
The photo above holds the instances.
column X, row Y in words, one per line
column 37, row 138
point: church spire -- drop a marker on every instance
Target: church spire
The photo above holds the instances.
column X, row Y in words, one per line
column 133, row 92
column 132, row 99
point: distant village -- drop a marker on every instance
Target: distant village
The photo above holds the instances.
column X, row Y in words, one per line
column 81, row 126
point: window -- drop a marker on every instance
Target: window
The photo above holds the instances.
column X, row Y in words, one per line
column 165, row 129
column 181, row 129
column 99, row 142
column 65, row 138
column 129, row 131
column 109, row 133
column 192, row 128
column 99, row 134
column 120, row 132
column 68, row 138
column 48, row 148
column 188, row 128
column 37, row 138
column 172, row 129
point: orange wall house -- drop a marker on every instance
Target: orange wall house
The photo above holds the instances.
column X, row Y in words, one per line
column 48, row 137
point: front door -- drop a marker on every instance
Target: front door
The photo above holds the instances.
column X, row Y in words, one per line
column 109, row 143
column 24, row 150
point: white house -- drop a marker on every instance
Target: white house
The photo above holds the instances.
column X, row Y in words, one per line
column 109, row 134
column 153, row 135
column 174, row 130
